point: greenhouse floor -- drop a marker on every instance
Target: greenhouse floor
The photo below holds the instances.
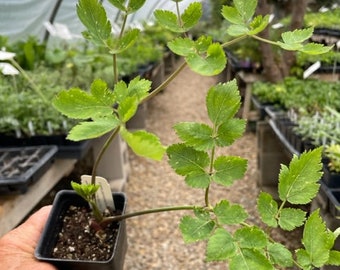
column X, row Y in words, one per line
column 154, row 241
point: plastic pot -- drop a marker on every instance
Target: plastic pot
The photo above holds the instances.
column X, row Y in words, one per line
column 48, row 239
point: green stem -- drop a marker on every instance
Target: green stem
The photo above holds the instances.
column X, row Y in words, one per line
column 165, row 83
column 180, row 23
column 115, row 68
column 96, row 212
column 206, row 196
column 264, row 40
column 145, row 212
column 34, row 86
column 123, row 25
column 231, row 42
column 101, row 153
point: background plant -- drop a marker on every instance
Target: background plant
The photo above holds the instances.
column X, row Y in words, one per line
column 195, row 158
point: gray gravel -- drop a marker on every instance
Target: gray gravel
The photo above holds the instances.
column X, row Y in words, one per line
column 154, row 241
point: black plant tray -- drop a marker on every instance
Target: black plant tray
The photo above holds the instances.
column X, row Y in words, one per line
column 66, row 148
column 20, row 167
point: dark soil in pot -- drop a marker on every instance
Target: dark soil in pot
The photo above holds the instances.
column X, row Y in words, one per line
column 72, row 241
column 81, row 238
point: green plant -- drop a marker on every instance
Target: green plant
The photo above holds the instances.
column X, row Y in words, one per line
column 196, row 157
column 333, row 153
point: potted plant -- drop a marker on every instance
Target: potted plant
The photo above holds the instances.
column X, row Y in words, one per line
column 196, row 158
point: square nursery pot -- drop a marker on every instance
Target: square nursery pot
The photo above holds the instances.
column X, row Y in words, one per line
column 46, row 246
column 22, row 166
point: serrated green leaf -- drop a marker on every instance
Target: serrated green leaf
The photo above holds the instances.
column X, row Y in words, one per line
column 290, row 47
column 303, row 259
column 195, row 135
column 190, row 163
column 93, row 16
column 78, row 104
column 258, row 24
column 120, row 4
column 231, row 14
column 135, row 5
column 280, row 255
column 101, row 93
column 120, row 91
column 123, row 43
column 194, row 229
column 268, row 209
column 317, row 240
column 143, row 143
column 297, row 36
column 127, row 109
column 191, row 15
column 223, row 101
column 334, row 258
column 298, row 183
column 197, row 180
column 220, row 246
column 228, row 169
column 139, row 88
column 168, row 20
column 251, row 237
column 291, row 218
column 93, row 129
column 237, row 30
column 182, row 46
column 229, row 214
column 212, row 63
column 246, row 8
column 250, row 259
column 315, row 48
column 229, row 131
column 85, row 190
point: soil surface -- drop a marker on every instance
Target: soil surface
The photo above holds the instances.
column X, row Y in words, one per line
column 79, row 239
column 154, row 241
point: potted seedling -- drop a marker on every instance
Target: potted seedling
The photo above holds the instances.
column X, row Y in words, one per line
column 102, row 111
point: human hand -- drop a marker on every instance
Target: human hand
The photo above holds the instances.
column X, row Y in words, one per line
column 17, row 246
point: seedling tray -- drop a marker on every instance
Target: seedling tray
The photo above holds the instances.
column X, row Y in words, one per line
column 20, row 167
column 66, row 148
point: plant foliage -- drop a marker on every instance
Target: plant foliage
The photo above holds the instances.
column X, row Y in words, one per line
column 103, row 110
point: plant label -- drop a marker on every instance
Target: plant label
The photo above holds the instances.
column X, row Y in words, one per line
column 309, row 71
column 104, row 197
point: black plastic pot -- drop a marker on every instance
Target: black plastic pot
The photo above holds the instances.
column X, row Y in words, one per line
column 48, row 239
column 330, row 178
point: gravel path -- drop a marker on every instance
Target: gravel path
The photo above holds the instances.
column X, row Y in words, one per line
column 154, row 240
